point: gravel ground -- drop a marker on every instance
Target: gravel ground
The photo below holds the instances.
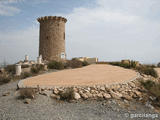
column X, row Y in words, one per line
column 45, row 108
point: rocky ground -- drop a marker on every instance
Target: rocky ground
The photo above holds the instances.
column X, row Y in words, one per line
column 45, row 108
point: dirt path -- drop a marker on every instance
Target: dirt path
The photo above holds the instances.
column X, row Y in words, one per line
column 90, row 75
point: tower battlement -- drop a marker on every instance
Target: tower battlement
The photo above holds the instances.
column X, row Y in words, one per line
column 46, row 18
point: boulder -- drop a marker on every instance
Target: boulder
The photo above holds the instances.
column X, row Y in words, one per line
column 27, row 101
column 93, row 91
column 132, row 84
column 116, row 95
column 80, row 92
column 127, row 97
column 106, row 96
column 89, row 94
column 137, row 93
column 55, row 91
column 76, row 96
column 148, row 104
column 100, row 95
column 54, row 96
column 102, row 88
column 84, row 96
column 6, row 94
column 46, row 93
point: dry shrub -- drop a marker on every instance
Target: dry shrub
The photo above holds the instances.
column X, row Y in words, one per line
column 85, row 63
column 27, row 93
column 25, row 66
column 67, row 94
column 55, row 65
column 74, row 63
column 26, row 75
column 152, row 87
column 144, row 69
column 4, row 78
column 11, row 69
column 147, row 70
column 35, row 69
column 102, row 62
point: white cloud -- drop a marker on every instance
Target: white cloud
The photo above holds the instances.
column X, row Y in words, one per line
column 115, row 30
column 14, row 45
column 7, row 9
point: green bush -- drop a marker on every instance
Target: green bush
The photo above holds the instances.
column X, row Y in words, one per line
column 5, row 79
column 37, row 68
column 55, row 65
column 147, row 70
column 10, row 69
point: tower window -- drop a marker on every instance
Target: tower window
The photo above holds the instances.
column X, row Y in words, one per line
column 64, row 35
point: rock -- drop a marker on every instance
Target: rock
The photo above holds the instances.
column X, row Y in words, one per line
column 81, row 92
column 117, row 87
column 132, row 84
column 88, row 88
column 152, row 98
column 93, row 87
column 57, row 97
column 55, row 91
column 27, row 101
column 147, row 104
column 93, row 91
column 94, row 95
column 46, row 93
column 61, row 89
column 121, row 89
column 6, row 94
column 116, row 95
column 89, row 94
column 102, row 88
column 84, row 96
column 75, row 89
column 106, row 96
column 100, row 95
column 137, row 93
column 127, row 97
column 76, row 96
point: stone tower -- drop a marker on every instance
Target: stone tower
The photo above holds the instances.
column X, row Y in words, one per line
column 52, row 38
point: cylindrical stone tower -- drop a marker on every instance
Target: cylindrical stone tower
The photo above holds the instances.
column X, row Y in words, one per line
column 52, row 38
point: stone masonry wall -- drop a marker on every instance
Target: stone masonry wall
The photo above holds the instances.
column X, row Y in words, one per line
column 52, row 37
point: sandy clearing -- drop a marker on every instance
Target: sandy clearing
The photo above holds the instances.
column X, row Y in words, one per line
column 89, row 75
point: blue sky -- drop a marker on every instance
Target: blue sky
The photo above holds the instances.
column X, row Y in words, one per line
column 108, row 29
